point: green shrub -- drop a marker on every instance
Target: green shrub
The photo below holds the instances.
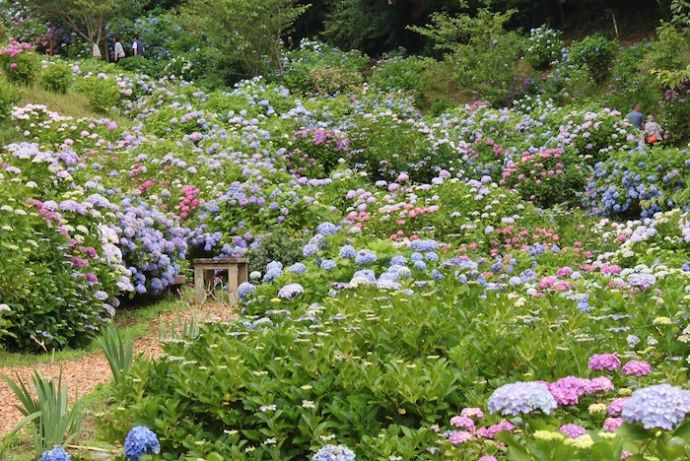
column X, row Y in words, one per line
column 544, row 47
column 277, row 246
column 102, row 93
column 142, row 65
column 21, row 69
column 569, row 83
column 485, row 56
column 675, row 111
column 319, row 68
column 596, row 52
column 629, row 84
column 57, row 77
column 670, row 50
column 9, row 96
column 403, row 74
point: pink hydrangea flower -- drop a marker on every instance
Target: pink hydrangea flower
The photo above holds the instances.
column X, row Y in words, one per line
column 463, row 422
column 600, row 362
column 472, row 413
column 637, row 368
column 573, row 430
column 611, row 424
column 459, row 437
column 615, row 408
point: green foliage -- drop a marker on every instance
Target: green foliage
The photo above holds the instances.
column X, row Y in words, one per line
column 544, row 47
column 569, row 83
column 49, row 308
column 410, row 74
column 233, row 32
column 47, row 407
column 670, row 50
column 9, row 96
column 117, row 349
column 277, row 246
column 21, row 69
column 484, row 55
column 596, row 52
column 57, row 77
column 143, row 65
column 103, row 93
column 629, row 84
column 321, row 69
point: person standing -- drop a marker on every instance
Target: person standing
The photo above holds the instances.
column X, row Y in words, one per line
column 653, row 133
column 119, row 51
column 135, row 46
column 636, row 117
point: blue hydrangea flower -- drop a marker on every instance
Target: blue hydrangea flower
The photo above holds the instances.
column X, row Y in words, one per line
column 521, row 397
column 327, row 228
column 141, row 441
column 423, row 245
column 290, row 290
column 365, row 257
column 398, row 260
column 419, row 264
column 272, row 274
column 328, row 264
column 416, row 256
column 348, row 252
column 431, row 256
column 274, row 265
column 56, row 454
column 436, row 275
column 334, row 453
column 297, row 268
column 309, row 250
column 245, row 289
column 660, row 406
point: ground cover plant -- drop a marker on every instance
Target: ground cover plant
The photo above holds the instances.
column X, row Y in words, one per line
column 502, row 279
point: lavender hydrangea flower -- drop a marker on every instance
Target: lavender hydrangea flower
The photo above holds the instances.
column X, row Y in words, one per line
column 660, row 406
column 521, row 397
column 334, row 453
column 327, row 229
column 348, row 252
column 245, row 289
column 297, row 268
column 423, row 245
column 56, row 454
column 365, row 257
column 642, row 281
column 328, row 264
column 309, row 250
column 290, row 290
column 139, row 442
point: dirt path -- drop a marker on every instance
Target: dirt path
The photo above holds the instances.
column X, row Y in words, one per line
column 82, row 375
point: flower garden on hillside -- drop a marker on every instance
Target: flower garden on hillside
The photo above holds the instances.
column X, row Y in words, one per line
column 479, row 284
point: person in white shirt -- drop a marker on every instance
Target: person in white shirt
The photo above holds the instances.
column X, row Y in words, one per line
column 119, row 50
column 135, row 46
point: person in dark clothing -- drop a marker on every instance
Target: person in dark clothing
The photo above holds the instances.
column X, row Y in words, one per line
column 636, row 117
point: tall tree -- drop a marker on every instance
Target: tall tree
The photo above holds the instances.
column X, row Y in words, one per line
column 243, row 32
column 88, row 18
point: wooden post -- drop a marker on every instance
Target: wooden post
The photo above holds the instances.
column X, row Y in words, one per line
column 199, row 284
column 233, row 278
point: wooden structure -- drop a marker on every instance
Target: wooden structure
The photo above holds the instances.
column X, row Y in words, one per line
column 205, row 268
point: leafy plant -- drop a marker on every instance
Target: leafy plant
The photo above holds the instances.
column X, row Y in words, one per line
column 544, row 46
column 57, row 77
column 596, row 52
column 117, row 349
column 54, row 421
column 102, row 93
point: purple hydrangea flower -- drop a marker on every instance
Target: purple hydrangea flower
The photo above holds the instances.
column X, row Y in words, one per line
column 521, row 397
column 348, row 252
column 327, row 228
column 139, row 442
column 660, row 406
column 245, row 289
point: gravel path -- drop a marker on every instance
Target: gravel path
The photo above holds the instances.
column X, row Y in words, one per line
column 82, row 375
